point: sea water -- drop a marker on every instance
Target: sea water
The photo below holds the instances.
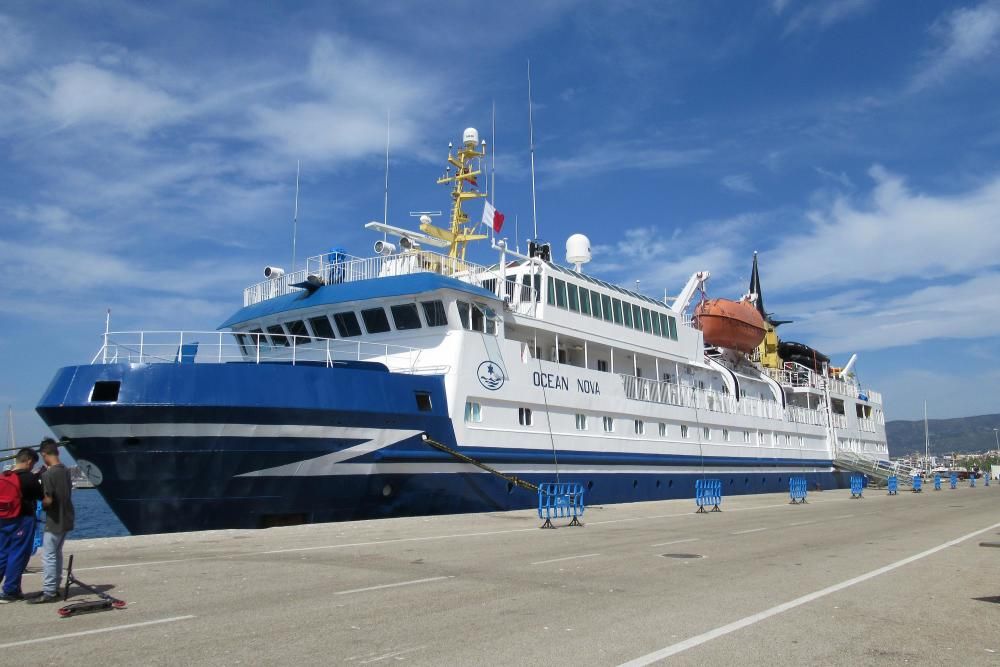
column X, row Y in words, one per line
column 93, row 517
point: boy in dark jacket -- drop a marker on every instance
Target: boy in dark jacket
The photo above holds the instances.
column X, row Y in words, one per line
column 18, row 534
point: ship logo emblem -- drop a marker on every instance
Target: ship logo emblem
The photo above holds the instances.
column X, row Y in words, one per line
column 490, row 375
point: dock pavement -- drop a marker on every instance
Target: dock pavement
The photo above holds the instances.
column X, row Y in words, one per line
column 884, row 580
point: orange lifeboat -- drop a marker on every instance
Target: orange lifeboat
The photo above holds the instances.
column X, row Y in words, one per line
column 736, row 325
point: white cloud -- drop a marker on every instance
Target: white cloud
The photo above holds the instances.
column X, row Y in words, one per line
column 893, row 234
column 739, row 183
column 343, row 117
column 966, row 36
column 841, row 179
column 606, row 158
column 957, row 309
column 82, row 94
column 824, row 13
column 14, row 43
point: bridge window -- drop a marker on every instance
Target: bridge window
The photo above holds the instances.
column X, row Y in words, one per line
column 405, row 316
column 581, row 422
column 278, row 337
column 656, row 324
column 606, row 307
column 647, row 325
column 347, row 324
column 617, row 308
column 609, row 424
column 560, row 293
column 574, row 298
column 627, row 314
column 639, row 426
column 375, row 320
column 434, row 313
column 473, row 412
column 684, row 431
column 463, row 314
column 257, row 336
column 244, row 342
column 524, row 416
column 297, row 328
column 673, row 327
column 550, row 296
column 637, row 317
column 663, row 430
column 585, row 301
column 321, row 327
column 595, row 304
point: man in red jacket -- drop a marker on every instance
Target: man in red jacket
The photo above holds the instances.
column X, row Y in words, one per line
column 18, row 533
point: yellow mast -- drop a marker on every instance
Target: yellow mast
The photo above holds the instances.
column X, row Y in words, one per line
column 467, row 169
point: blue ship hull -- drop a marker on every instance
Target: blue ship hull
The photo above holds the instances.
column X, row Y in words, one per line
column 208, row 446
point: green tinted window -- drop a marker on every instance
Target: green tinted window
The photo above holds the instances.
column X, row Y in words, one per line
column 673, row 328
column 551, row 298
column 560, row 293
column 627, row 312
column 647, row 326
column 595, row 304
column 656, row 324
column 574, row 298
column 637, row 317
column 606, row 306
column 618, row 310
column 585, row 301
column 664, row 326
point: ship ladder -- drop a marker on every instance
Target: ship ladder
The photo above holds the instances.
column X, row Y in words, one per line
column 510, row 479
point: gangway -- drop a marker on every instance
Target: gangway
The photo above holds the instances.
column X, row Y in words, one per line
column 876, row 468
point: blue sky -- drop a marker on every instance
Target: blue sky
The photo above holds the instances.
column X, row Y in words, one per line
column 148, row 159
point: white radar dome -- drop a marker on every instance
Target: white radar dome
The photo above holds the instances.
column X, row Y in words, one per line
column 470, row 137
column 578, row 250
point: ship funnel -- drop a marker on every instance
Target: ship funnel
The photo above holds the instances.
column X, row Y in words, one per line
column 273, row 272
column 384, row 248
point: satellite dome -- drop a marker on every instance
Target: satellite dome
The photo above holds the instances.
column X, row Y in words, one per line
column 470, row 137
column 578, row 250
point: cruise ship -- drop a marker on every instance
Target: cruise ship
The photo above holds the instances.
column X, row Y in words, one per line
column 416, row 381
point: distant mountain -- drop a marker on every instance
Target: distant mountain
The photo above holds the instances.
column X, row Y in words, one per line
column 963, row 434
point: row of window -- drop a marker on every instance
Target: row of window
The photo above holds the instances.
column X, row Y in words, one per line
column 474, row 414
column 567, row 295
column 405, row 316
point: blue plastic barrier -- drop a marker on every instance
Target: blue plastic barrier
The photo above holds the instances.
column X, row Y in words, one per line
column 708, row 492
column 893, row 485
column 918, row 484
column 798, row 490
column 36, row 543
column 560, row 500
column 954, row 480
column 972, row 480
column 937, row 482
column 857, row 486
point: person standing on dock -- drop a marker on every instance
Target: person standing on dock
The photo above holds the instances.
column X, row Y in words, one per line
column 17, row 533
column 60, row 516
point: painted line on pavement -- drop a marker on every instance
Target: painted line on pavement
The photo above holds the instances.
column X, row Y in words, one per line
column 802, row 523
column 749, row 530
column 84, row 633
column 721, row 631
column 663, row 544
column 557, row 560
column 395, row 585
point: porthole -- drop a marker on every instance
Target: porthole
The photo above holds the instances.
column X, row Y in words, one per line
column 387, row 490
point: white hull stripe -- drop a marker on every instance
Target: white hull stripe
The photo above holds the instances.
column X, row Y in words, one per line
column 202, row 430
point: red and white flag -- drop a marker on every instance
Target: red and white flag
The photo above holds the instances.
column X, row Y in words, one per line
column 492, row 217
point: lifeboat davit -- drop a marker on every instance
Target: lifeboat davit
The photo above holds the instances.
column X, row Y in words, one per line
column 735, row 325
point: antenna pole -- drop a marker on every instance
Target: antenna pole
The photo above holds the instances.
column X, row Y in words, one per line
column 493, row 158
column 107, row 330
column 385, row 205
column 517, row 236
column 295, row 215
column 531, row 145
column 10, row 428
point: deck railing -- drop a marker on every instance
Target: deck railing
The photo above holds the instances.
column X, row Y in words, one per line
column 669, row 393
column 151, row 347
column 333, row 269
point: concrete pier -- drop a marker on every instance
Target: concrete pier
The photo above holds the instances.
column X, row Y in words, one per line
column 882, row 580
